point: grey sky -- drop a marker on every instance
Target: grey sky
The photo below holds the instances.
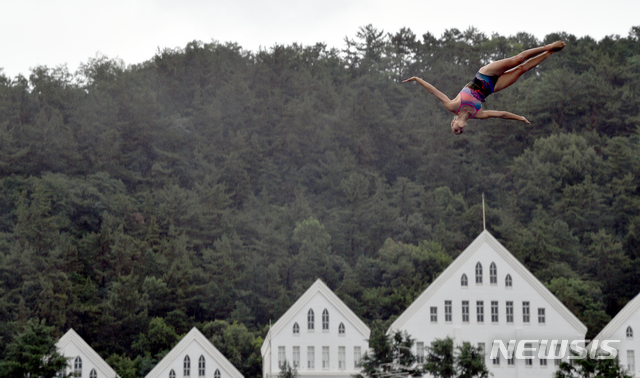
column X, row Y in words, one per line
column 55, row 32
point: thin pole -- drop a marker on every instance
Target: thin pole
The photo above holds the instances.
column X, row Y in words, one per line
column 270, row 351
column 484, row 221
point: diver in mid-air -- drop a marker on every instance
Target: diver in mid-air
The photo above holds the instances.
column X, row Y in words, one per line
column 493, row 77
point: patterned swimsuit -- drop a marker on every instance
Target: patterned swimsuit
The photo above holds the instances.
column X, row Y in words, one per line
column 474, row 93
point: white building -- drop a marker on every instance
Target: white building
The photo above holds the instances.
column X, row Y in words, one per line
column 83, row 361
column 486, row 294
column 319, row 336
column 194, row 356
column 624, row 327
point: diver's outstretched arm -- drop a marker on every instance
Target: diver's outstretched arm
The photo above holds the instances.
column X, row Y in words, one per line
column 446, row 101
column 484, row 114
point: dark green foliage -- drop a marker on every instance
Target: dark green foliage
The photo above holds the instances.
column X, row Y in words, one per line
column 463, row 361
column 391, row 356
column 591, row 367
column 33, row 353
column 238, row 344
column 287, row 371
column 209, row 186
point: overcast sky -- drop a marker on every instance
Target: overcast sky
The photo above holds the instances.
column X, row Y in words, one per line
column 55, row 32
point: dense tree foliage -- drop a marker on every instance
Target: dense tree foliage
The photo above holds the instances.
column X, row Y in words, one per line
column 209, row 185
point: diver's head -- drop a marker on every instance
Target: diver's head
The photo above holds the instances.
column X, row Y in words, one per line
column 457, row 125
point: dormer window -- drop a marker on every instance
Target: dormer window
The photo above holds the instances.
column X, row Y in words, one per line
column 77, row 367
column 478, row 273
column 325, row 320
column 201, row 367
column 310, row 320
column 187, row 366
column 493, row 274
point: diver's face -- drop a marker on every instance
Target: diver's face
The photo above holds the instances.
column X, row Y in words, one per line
column 457, row 125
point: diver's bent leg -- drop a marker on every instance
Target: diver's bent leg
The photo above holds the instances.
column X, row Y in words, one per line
column 512, row 76
column 500, row 67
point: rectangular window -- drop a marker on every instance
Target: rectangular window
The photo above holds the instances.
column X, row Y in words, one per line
column 509, row 312
column 481, row 349
column 311, row 357
column 281, row 357
column 543, row 362
column 420, row 352
column 511, row 360
column 325, row 357
column 357, row 354
column 465, row 311
column 528, row 353
column 631, row 361
column 496, row 361
column 342, row 363
column 480, row 311
column 434, row 314
column 541, row 316
column 525, row 312
column 556, row 361
column 494, row 311
column 296, row 357
column 448, row 311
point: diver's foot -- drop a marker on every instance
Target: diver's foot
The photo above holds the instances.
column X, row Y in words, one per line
column 556, row 46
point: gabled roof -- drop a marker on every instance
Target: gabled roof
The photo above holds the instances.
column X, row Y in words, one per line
column 195, row 336
column 72, row 337
column 301, row 303
column 486, row 237
column 620, row 319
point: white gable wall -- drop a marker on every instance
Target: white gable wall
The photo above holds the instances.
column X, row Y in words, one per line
column 194, row 350
column 556, row 325
column 71, row 346
column 318, row 298
column 194, row 345
column 628, row 344
column 629, row 316
column 71, row 351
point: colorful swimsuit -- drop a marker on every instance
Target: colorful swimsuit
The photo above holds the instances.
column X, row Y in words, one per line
column 474, row 93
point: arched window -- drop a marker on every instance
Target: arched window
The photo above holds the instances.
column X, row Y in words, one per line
column 201, row 372
column 341, row 329
column 296, row 328
column 172, row 374
column 187, row 366
column 216, row 374
column 478, row 273
column 464, row 281
column 508, row 282
column 493, row 274
column 629, row 332
column 77, row 367
column 93, row 374
column 310, row 319
column 325, row 319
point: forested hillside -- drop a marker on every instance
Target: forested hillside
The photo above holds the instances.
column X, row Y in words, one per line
column 211, row 186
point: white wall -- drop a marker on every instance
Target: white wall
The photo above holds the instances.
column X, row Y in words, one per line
column 71, row 351
column 556, row 326
column 317, row 338
column 627, row 344
column 194, row 351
